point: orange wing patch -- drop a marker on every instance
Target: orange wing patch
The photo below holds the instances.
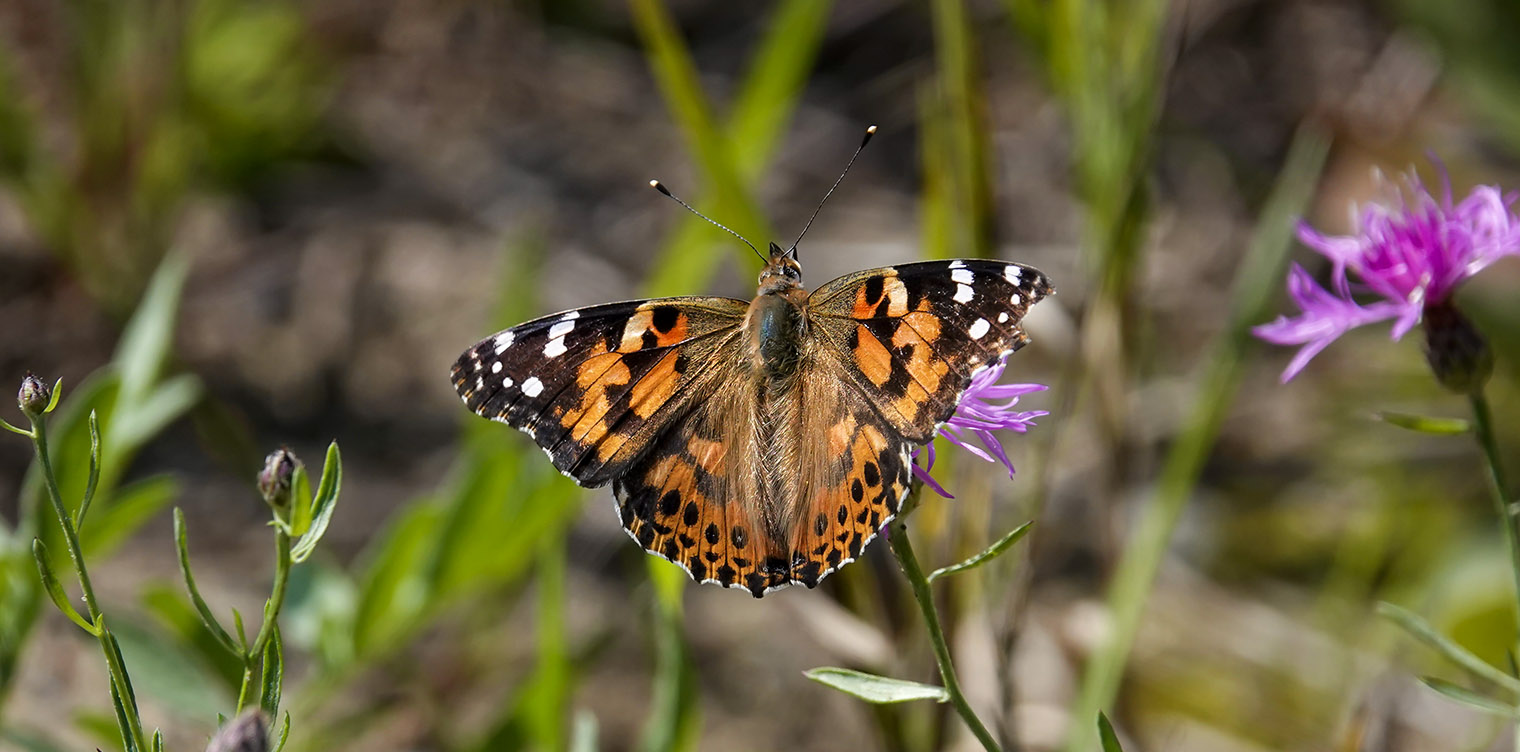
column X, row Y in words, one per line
column 839, row 520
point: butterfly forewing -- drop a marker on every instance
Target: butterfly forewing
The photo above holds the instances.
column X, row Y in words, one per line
column 594, row 386
column 911, row 336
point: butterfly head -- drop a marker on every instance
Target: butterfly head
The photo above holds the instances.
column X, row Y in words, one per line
column 781, row 272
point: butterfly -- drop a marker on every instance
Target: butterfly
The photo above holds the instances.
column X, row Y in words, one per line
column 762, row 443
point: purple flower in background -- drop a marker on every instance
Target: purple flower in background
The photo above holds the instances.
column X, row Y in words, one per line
column 1411, row 258
column 977, row 415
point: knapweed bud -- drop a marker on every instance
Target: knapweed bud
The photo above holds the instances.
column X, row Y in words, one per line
column 34, row 397
column 245, row 733
column 275, row 479
column 1456, row 350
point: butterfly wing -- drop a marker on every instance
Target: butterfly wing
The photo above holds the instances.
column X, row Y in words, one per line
column 595, row 386
column 697, row 498
column 910, row 337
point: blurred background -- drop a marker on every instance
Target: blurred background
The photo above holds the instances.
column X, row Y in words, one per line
column 307, row 210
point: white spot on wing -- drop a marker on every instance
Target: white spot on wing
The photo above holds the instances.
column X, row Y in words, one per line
column 504, row 341
column 957, row 264
column 1016, row 300
column 1003, row 318
column 963, row 276
column 964, row 293
column 496, row 367
column 555, row 348
column 1012, row 273
column 570, row 316
column 532, row 387
column 979, row 329
column 506, row 383
column 561, row 328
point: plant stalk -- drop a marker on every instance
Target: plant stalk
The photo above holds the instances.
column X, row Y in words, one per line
column 272, row 607
column 117, row 671
column 902, row 549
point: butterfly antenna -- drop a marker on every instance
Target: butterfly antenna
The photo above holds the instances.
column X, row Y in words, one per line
column 871, row 131
column 657, row 185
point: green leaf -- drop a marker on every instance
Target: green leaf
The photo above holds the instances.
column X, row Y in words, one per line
column 53, row 399
column 284, row 734
column 1106, row 735
column 1422, row 631
column 145, row 343
column 13, row 429
column 143, row 420
column 207, row 618
column 1470, row 698
column 274, row 674
column 322, row 505
column 131, row 508
column 987, row 554
column 158, row 740
column 879, row 690
column 242, row 634
column 1425, row 424
column 55, row 590
column 94, row 476
column 300, row 501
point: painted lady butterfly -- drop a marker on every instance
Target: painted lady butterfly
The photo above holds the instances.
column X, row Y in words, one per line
column 756, row 443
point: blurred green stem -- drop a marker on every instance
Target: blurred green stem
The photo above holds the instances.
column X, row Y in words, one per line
column 133, row 733
column 252, row 655
column 1483, row 430
column 902, row 549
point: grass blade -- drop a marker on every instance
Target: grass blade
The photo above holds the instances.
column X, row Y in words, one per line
column 1106, row 735
column 1470, row 698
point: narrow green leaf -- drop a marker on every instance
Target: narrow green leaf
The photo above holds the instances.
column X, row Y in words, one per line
column 1470, row 698
column 300, row 501
column 242, row 634
column 987, row 554
column 1106, row 735
column 123, row 726
column 55, row 590
column 1425, row 423
column 207, row 618
column 57, row 394
column 284, row 735
column 274, row 674
column 13, row 429
column 94, row 477
column 1422, row 631
column 139, row 421
column 879, row 690
column 158, row 740
column 323, row 504
column 144, row 345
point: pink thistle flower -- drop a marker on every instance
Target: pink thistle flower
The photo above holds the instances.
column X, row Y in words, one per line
column 977, row 415
column 1411, row 258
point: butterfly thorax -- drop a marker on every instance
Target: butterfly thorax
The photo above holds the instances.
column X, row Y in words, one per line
column 775, row 324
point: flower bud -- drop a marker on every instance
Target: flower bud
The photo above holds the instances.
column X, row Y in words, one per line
column 1456, row 350
column 245, row 733
column 275, row 479
column 34, row 397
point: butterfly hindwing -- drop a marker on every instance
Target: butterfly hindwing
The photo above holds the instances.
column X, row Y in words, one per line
column 594, row 386
column 911, row 336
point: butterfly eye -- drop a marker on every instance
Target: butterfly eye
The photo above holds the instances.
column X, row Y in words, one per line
column 792, row 271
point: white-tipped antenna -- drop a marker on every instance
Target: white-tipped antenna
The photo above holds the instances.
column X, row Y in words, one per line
column 871, row 131
column 657, row 185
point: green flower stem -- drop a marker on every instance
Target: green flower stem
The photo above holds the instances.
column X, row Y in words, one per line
column 114, row 666
column 1483, row 430
column 276, row 600
column 902, row 548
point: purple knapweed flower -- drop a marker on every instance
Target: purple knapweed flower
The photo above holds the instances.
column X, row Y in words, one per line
column 1411, row 258
column 977, row 415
